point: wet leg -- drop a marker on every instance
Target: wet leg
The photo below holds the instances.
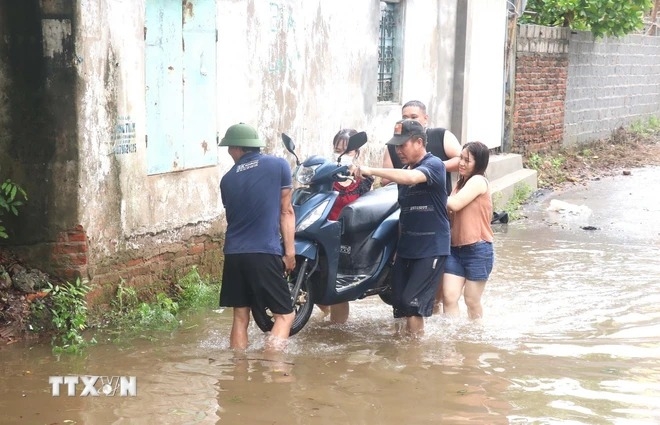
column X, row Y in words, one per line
column 473, row 292
column 339, row 313
column 415, row 326
column 238, row 338
column 324, row 308
column 452, row 288
column 280, row 332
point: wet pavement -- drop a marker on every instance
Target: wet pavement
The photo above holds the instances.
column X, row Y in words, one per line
column 571, row 335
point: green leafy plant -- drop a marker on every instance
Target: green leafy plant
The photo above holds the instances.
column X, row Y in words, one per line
column 550, row 168
column 535, row 161
column 193, row 292
column 131, row 316
column 601, row 17
column 521, row 192
column 159, row 314
column 69, row 314
column 10, row 201
column 126, row 298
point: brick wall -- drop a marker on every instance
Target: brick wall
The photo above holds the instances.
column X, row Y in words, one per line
column 150, row 269
column 540, row 89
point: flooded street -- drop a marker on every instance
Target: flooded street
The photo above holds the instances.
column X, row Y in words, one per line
column 571, row 335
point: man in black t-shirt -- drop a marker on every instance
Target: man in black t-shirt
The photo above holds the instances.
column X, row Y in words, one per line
column 440, row 142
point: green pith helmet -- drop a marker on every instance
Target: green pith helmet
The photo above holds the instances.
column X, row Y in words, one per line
column 242, row 135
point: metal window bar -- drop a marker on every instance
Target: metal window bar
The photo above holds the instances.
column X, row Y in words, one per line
column 386, row 52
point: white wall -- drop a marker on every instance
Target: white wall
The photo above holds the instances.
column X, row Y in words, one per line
column 484, row 92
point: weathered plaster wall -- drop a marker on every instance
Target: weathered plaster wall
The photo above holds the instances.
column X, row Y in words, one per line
column 140, row 227
column 308, row 68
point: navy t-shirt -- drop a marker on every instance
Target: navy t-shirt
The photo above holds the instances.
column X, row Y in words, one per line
column 424, row 221
column 251, row 192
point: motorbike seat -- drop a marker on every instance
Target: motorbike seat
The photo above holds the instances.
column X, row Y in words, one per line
column 366, row 212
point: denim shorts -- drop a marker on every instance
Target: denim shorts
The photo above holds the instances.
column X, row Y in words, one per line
column 473, row 262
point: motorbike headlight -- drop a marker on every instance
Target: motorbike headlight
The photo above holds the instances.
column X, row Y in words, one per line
column 313, row 216
column 304, row 175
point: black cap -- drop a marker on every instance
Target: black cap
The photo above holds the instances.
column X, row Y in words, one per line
column 404, row 130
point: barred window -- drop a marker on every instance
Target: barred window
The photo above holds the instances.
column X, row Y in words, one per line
column 389, row 52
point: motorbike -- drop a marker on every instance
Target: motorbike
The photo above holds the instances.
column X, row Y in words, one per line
column 343, row 260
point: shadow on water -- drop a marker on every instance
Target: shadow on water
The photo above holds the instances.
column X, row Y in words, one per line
column 571, row 336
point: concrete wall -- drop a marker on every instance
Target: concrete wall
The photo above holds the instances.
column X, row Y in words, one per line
column 611, row 82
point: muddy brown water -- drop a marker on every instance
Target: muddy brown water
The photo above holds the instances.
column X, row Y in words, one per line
column 571, row 335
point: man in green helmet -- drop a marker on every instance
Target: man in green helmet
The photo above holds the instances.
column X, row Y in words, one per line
column 256, row 194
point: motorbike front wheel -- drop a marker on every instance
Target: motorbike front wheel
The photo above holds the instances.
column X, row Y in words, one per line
column 302, row 301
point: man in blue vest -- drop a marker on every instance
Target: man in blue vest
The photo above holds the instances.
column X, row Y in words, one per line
column 256, row 194
column 423, row 223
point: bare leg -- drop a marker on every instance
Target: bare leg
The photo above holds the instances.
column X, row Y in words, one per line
column 452, row 288
column 339, row 312
column 415, row 326
column 324, row 308
column 472, row 295
column 238, row 338
column 280, row 332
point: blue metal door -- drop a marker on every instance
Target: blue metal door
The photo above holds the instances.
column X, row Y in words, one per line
column 180, row 58
column 199, row 79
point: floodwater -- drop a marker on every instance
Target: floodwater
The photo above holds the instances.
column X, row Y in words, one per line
column 571, row 335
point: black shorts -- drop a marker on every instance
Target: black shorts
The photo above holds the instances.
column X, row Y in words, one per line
column 414, row 284
column 255, row 280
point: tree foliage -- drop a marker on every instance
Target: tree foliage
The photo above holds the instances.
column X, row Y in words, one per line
column 601, row 17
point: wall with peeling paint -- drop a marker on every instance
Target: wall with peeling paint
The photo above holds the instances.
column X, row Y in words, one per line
column 123, row 208
column 304, row 67
column 309, row 68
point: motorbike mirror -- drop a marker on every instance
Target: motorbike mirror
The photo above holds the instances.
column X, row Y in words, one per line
column 290, row 146
column 356, row 141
